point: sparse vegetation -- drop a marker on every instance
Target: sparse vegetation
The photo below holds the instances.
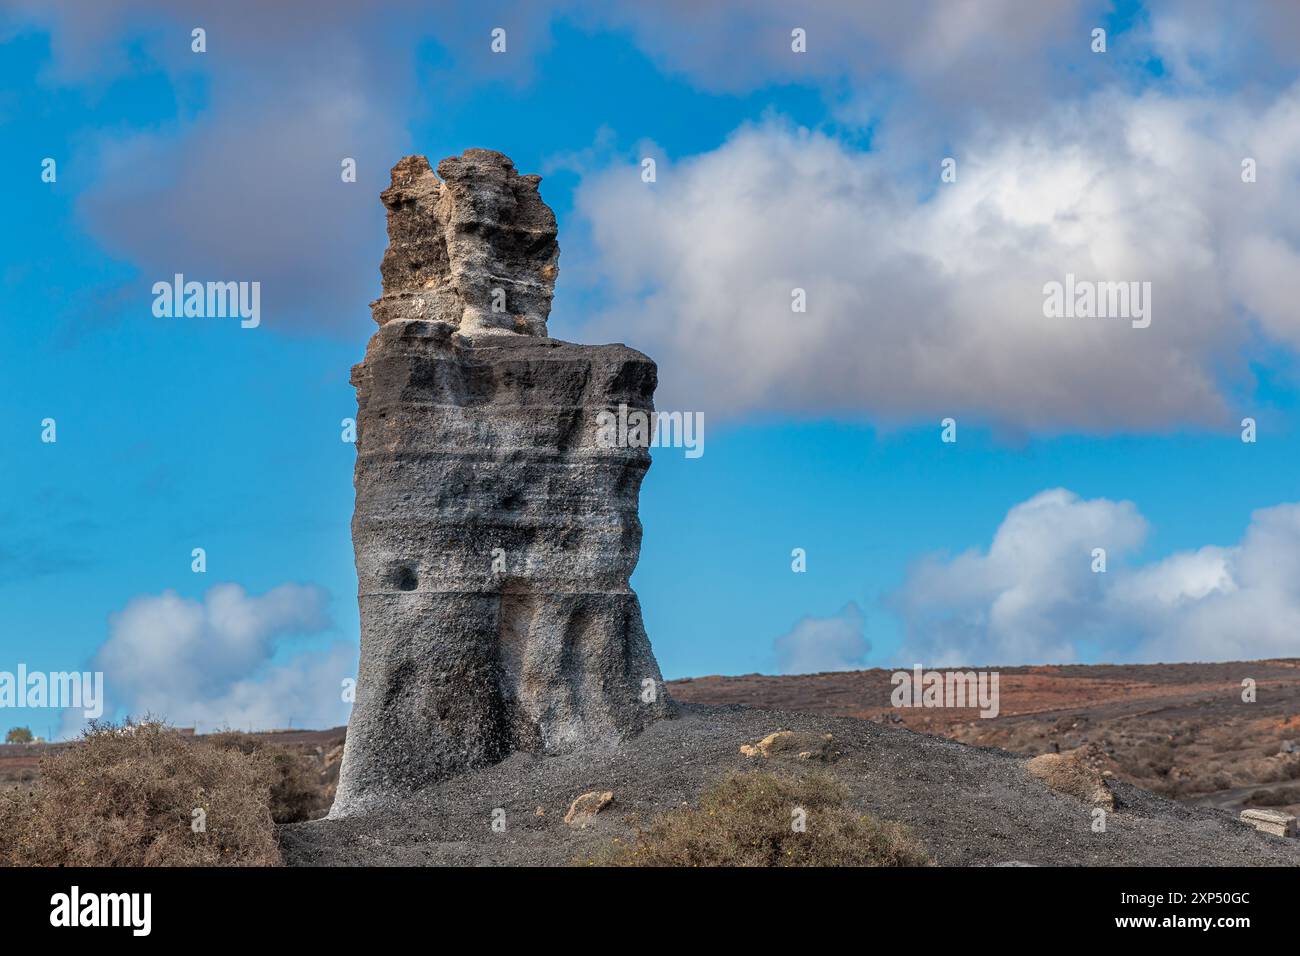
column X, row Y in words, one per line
column 19, row 735
column 1276, row 797
column 1155, row 758
column 130, row 795
column 747, row 819
column 1178, row 730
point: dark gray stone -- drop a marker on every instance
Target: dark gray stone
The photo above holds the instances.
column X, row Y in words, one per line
column 494, row 534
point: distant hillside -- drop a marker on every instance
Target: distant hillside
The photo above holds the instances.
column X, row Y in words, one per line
column 1181, row 730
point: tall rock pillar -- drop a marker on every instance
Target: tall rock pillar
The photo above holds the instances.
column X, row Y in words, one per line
column 494, row 532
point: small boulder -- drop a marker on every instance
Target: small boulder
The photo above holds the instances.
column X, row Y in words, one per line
column 584, row 808
column 1074, row 773
column 1270, row 821
column 788, row 743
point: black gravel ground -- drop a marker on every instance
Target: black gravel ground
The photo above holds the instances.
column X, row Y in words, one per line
column 969, row 806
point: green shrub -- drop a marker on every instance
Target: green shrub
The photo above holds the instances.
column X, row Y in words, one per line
column 19, row 735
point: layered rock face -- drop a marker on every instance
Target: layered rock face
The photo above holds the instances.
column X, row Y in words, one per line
column 494, row 533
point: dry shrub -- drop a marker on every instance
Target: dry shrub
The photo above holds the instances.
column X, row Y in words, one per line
column 125, row 796
column 296, row 789
column 1075, row 772
column 745, row 819
column 1155, row 759
column 1277, row 797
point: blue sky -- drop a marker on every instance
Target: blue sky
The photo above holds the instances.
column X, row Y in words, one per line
column 822, row 430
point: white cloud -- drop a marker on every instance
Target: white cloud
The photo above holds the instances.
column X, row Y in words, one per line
column 223, row 660
column 1201, row 41
column 281, row 106
column 1032, row 596
column 994, row 57
column 922, row 306
column 818, row 644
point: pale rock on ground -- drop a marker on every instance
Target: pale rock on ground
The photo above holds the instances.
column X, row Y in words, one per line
column 587, row 806
column 1270, row 821
column 789, row 743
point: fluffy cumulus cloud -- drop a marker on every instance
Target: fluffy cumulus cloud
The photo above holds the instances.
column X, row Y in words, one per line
column 1033, row 597
column 818, row 644
column 995, row 57
column 922, row 300
column 223, row 661
column 926, row 305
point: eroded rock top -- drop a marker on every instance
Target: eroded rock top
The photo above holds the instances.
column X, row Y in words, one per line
column 472, row 245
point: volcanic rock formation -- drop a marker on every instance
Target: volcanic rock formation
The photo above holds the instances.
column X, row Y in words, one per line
column 494, row 530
